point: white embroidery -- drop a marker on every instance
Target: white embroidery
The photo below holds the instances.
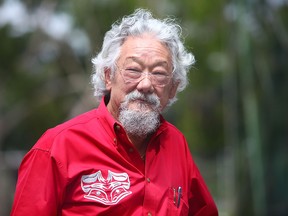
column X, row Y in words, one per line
column 106, row 191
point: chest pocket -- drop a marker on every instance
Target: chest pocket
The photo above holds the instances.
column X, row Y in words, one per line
column 175, row 208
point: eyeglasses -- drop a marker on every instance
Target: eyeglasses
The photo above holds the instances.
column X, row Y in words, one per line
column 157, row 78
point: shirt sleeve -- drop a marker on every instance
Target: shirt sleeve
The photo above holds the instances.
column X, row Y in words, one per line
column 40, row 185
column 200, row 200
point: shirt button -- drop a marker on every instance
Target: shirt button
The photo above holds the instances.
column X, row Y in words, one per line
column 149, row 214
column 131, row 150
column 148, row 180
column 117, row 127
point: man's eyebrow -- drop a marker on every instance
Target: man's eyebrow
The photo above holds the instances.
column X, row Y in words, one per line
column 133, row 59
column 139, row 61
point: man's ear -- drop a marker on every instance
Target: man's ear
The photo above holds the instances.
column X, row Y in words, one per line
column 108, row 81
column 173, row 90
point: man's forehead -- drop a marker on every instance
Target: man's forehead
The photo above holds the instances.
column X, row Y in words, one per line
column 145, row 45
column 142, row 60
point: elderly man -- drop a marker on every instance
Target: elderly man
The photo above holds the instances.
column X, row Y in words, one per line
column 122, row 158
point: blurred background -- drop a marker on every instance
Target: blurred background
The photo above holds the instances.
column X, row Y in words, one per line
column 234, row 112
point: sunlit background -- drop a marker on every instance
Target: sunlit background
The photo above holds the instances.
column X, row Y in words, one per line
column 234, row 112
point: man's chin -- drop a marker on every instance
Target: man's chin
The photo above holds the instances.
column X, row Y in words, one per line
column 139, row 123
column 141, row 107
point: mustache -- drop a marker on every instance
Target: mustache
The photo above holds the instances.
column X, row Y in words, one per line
column 150, row 99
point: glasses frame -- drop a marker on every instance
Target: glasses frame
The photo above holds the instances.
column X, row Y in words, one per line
column 147, row 74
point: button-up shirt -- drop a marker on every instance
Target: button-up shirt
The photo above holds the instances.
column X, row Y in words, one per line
column 87, row 166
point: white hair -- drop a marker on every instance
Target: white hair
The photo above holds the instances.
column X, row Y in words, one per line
column 167, row 31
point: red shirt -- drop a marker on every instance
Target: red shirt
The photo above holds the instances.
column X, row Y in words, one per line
column 87, row 166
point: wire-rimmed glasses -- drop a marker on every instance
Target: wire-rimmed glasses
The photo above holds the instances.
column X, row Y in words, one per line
column 135, row 75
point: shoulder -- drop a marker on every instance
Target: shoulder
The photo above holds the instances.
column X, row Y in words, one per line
column 170, row 137
column 78, row 123
column 170, row 129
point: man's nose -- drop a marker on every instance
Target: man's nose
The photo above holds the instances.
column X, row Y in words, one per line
column 145, row 84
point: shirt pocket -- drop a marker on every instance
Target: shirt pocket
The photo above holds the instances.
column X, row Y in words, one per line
column 175, row 208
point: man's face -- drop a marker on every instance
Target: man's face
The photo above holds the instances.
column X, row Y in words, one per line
column 147, row 54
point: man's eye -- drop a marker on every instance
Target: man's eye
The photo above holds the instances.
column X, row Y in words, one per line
column 159, row 74
column 133, row 70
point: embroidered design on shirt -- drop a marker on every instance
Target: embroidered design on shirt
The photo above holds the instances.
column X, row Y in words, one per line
column 106, row 191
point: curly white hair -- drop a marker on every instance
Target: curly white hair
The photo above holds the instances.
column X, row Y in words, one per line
column 142, row 22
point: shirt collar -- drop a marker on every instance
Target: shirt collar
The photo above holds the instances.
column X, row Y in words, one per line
column 103, row 111
column 107, row 120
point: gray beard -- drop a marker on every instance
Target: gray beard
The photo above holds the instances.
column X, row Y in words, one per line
column 144, row 120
